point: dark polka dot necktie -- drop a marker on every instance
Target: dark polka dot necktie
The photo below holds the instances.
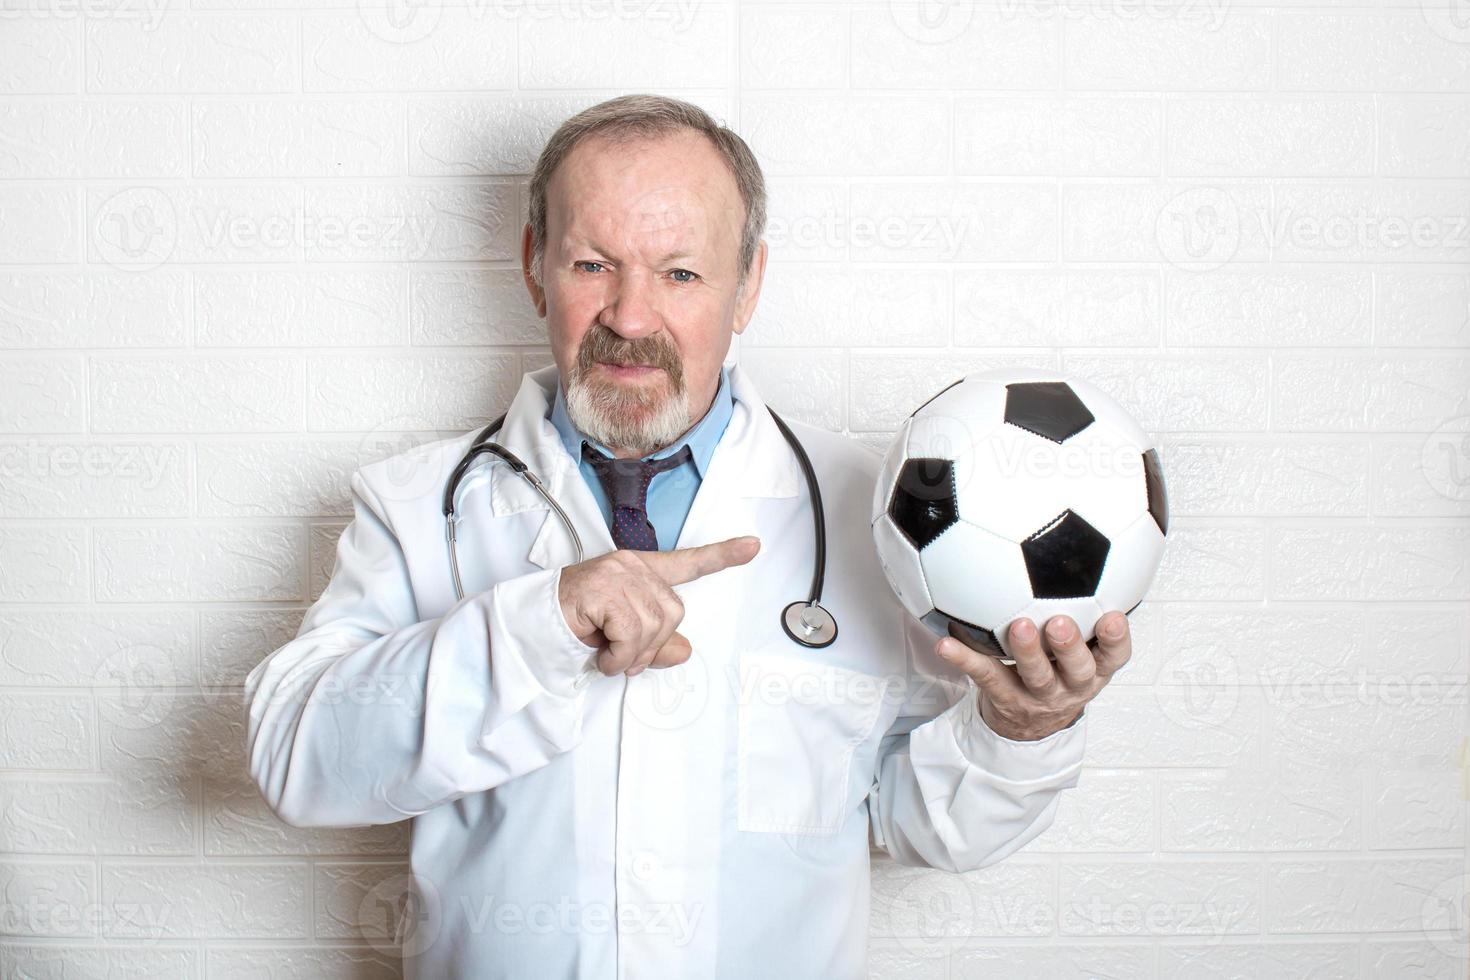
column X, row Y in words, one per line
column 626, row 482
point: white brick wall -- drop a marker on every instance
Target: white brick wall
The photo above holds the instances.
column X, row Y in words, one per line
column 247, row 246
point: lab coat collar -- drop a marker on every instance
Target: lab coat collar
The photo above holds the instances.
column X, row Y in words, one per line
column 751, row 460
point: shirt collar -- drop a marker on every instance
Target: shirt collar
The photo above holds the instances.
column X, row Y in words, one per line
column 702, row 438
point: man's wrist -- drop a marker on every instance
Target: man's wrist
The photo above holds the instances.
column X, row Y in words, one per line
column 1015, row 733
column 559, row 662
column 1058, row 755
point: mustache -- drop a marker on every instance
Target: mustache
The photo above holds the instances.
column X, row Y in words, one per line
column 602, row 344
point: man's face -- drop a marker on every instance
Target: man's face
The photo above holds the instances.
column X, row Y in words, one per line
column 638, row 284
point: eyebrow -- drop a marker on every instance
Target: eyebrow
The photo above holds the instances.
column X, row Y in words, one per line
column 663, row 258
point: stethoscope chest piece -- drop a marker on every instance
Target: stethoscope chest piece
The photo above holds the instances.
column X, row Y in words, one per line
column 809, row 624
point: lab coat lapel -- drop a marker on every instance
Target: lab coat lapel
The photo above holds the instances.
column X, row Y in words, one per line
column 529, row 434
column 751, row 460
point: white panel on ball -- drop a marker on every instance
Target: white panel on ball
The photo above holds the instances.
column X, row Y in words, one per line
column 951, row 425
column 1100, row 475
column 975, row 575
column 1133, row 560
column 901, row 565
column 968, row 398
column 1002, row 492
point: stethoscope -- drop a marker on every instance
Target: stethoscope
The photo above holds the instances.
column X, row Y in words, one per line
column 805, row 622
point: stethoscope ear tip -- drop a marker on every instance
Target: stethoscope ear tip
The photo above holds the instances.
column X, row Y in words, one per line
column 809, row 624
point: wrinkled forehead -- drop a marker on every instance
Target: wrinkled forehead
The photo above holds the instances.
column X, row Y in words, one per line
column 653, row 199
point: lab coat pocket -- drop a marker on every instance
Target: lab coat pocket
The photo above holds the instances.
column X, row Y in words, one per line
column 800, row 723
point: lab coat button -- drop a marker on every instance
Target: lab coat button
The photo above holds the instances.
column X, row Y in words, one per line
column 644, row 865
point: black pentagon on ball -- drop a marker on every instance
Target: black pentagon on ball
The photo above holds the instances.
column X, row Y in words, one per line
column 1158, row 500
column 1051, row 409
column 1065, row 559
column 923, row 502
column 977, row 638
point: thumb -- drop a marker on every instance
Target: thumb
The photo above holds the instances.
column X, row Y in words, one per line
column 989, row 674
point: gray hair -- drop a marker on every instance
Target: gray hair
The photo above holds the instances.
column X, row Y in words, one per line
column 631, row 117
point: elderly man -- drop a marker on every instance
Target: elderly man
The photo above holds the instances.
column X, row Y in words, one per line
column 577, row 814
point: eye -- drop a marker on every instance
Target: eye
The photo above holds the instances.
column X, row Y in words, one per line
column 692, row 276
column 586, row 262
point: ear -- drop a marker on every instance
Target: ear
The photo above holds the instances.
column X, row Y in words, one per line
column 538, row 295
column 745, row 306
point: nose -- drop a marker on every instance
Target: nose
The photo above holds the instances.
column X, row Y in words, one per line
column 630, row 311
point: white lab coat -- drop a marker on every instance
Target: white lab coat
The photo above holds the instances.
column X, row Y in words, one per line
column 705, row 820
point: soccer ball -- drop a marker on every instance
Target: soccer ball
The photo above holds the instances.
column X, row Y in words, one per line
column 1019, row 493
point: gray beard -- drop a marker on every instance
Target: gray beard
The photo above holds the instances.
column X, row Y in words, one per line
column 643, row 422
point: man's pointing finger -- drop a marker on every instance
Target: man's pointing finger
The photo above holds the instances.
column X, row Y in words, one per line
column 687, row 564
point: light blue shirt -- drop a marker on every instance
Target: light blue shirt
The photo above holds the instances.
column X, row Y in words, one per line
column 670, row 493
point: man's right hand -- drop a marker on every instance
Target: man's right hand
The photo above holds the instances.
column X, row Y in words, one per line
column 623, row 604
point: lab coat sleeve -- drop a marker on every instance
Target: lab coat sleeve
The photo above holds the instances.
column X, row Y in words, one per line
column 371, row 715
column 949, row 792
